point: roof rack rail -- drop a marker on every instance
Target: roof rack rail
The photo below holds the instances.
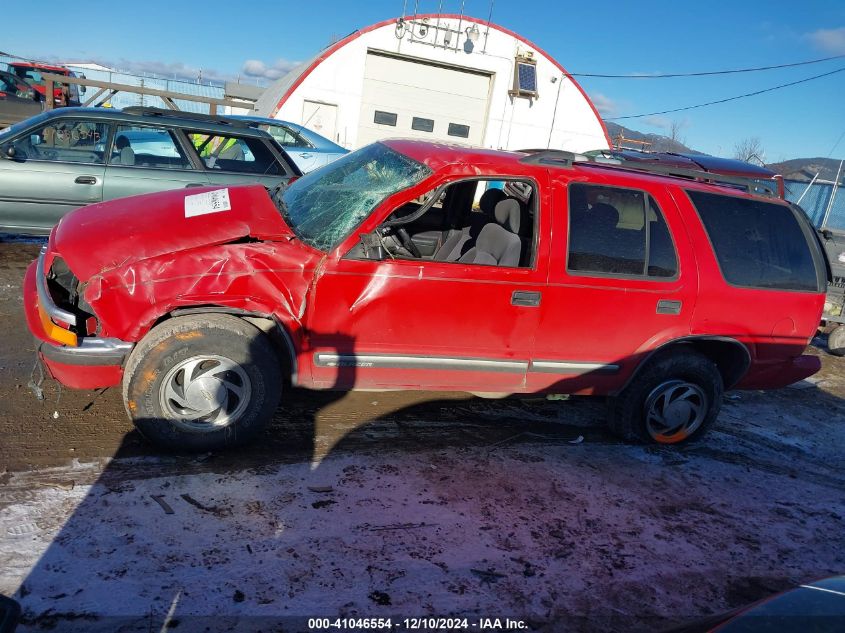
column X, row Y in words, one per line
column 181, row 114
column 563, row 158
column 551, row 157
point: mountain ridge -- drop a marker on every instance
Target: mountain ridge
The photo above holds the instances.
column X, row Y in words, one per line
column 801, row 169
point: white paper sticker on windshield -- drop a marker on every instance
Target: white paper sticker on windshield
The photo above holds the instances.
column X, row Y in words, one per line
column 208, row 202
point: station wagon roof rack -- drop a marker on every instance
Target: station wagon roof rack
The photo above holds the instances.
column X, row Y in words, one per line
column 563, row 158
column 180, row 114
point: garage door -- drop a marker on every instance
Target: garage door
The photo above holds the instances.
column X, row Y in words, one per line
column 414, row 99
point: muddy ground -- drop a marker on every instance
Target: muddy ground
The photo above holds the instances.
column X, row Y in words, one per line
column 403, row 505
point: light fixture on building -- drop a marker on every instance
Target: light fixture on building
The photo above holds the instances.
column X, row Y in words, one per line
column 472, row 33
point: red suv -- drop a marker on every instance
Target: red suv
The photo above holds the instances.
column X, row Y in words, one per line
column 411, row 265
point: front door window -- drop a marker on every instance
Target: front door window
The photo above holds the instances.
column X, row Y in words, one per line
column 64, row 140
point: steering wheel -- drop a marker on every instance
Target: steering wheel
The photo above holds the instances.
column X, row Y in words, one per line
column 408, row 243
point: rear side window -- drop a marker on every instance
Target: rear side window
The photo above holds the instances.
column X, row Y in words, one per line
column 285, row 136
column 147, row 147
column 618, row 232
column 758, row 244
column 245, row 155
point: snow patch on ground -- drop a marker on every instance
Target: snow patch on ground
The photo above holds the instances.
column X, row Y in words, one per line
column 611, row 533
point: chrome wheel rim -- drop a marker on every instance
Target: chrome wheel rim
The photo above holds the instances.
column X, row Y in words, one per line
column 205, row 393
column 674, row 410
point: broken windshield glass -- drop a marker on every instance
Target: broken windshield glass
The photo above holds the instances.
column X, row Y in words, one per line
column 324, row 206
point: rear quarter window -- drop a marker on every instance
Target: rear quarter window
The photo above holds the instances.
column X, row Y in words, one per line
column 757, row 244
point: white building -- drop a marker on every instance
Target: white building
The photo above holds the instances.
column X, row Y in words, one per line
column 438, row 76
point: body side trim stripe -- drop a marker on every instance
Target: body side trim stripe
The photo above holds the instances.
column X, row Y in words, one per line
column 401, row 361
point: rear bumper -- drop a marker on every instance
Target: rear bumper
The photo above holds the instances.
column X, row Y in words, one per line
column 776, row 375
column 93, row 363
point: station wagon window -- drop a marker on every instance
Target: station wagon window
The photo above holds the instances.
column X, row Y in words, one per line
column 64, row 140
column 285, row 136
column 456, row 129
column 143, row 146
column 422, row 125
column 620, row 232
column 384, row 118
column 245, row 155
column 757, row 244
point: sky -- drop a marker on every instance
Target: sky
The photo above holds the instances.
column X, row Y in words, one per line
column 260, row 40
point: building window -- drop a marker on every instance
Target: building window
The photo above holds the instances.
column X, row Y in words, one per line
column 524, row 77
column 456, row 129
column 385, row 118
column 422, row 125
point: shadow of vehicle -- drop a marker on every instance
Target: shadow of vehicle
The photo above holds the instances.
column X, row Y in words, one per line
column 10, row 611
column 389, row 516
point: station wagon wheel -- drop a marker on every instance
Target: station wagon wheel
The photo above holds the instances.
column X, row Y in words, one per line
column 836, row 341
column 202, row 382
column 673, row 399
column 674, row 411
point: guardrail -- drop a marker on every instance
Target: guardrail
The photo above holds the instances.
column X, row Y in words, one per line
column 167, row 96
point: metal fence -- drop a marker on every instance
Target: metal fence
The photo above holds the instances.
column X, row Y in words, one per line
column 816, row 201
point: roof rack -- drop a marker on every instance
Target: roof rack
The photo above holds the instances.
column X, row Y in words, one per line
column 563, row 158
column 180, row 114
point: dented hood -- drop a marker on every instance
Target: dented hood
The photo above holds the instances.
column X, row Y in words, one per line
column 110, row 234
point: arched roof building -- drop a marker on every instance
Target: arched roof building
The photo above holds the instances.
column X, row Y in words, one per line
column 438, row 76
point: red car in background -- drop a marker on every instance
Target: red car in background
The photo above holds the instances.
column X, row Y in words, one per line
column 63, row 94
column 413, row 265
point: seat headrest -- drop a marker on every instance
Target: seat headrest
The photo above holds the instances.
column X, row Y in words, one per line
column 507, row 213
column 489, row 199
column 604, row 215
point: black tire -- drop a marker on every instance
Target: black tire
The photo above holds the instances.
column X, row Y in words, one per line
column 836, row 341
column 189, row 365
column 673, row 400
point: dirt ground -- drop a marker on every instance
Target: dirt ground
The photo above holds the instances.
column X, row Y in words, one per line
column 398, row 505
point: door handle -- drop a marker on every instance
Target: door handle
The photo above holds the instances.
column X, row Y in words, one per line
column 304, row 155
column 669, row 306
column 196, row 184
column 85, row 180
column 525, row 298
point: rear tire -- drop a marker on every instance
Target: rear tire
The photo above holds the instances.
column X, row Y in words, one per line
column 202, row 383
column 836, row 341
column 674, row 400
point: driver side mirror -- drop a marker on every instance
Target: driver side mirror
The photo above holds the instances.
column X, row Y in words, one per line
column 373, row 246
column 9, row 151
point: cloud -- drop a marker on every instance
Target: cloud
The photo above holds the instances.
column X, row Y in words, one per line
column 165, row 70
column 606, row 106
column 658, row 121
column 829, row 40
column 178, row 70
column 257, row 68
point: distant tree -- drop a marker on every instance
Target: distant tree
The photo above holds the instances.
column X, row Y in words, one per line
column 674, row 135
column 750, row 150
column 670, row 141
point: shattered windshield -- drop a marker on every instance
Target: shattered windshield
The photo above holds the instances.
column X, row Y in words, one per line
column 324, row 206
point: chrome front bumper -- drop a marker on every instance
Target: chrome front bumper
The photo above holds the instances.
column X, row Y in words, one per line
column 91, row 351
column 44, row 299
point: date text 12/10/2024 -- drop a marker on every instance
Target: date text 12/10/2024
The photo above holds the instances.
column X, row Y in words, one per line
column 416, row 624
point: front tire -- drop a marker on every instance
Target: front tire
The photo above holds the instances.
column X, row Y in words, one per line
column 673, row 400
column 202, row 383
